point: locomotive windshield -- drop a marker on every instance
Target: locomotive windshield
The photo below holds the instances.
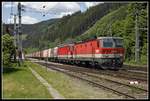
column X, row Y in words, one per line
column 108, row 42
column 118, row 42
column 112, row 42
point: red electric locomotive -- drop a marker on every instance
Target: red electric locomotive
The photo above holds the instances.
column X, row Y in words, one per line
column 105, row 52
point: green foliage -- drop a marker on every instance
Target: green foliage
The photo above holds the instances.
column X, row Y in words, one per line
column 122, row 24
column 6, row 60
column 7, row 49
column 30, row 50
column 102, row 26
column 65, row 28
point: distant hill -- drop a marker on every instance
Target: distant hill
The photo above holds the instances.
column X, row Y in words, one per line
column 70, row 26
column 29, row 28
column 56, row 31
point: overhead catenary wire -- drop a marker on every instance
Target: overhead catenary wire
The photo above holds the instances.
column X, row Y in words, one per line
column 33, row 10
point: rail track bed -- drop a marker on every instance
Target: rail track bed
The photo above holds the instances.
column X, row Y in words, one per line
column 121, row 74
column 132, row 76
column 99, row 80
column 135, row 68
column 125, row 74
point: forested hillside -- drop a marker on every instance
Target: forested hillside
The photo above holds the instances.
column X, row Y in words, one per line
column 30, row 32
column 29, row 28
column 56, row 31
column 68, row 27
column 121, row 23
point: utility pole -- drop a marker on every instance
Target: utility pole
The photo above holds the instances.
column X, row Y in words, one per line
column 15, row 37
column 137, row 47
column 19, row 32
column 15, row 30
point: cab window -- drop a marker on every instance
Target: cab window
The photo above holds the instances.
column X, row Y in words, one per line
column 118, row 42
column 108, row 42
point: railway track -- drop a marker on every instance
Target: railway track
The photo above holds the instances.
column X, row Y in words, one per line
column 114, row 81
column 91, row 73
column 139, row 72
column 135, row 71
column 121, row 73
column 132, row 76
column 135, row 68
column 127, row 75
column 116, row 87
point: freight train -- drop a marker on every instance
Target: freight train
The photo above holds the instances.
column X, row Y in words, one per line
column 102, row 52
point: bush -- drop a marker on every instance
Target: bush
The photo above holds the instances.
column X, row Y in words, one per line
column 7, row 49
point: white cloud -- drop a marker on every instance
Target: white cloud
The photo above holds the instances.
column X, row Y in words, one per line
column 57, row 8
column 71, row 6
column 29, row 20
column 25, row 20
column 52, row 9
column 54, row 6
column 61, row 14
column 7, row 4
column 89, row 4
column 64, row 8
column 39, row 5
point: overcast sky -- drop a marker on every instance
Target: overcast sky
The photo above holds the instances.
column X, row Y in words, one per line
column 34, row 11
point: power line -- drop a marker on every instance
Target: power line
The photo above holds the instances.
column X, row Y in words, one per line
column 33, row 10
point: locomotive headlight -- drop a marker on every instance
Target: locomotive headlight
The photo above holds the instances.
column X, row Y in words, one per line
column 97, row 50
column 121, row 54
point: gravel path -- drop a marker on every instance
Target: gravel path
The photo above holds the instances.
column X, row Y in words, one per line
column 55, row 94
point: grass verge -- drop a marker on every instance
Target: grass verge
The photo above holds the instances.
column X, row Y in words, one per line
column 19, row 82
